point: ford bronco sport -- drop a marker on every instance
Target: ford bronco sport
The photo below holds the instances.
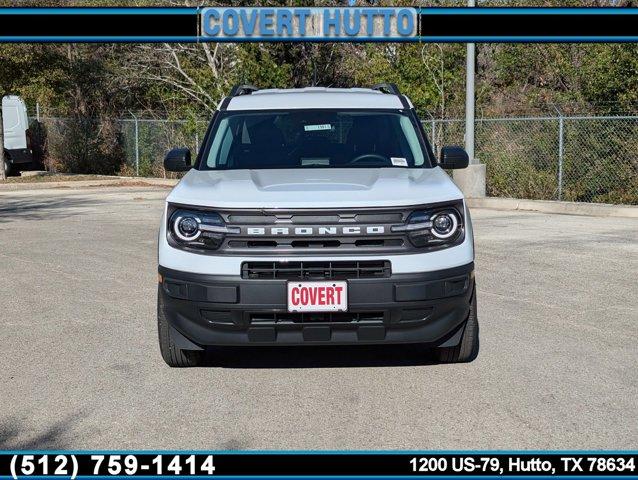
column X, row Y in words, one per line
column 316, row 216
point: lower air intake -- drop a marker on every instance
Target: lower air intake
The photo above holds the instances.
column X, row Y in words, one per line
column 337, row 270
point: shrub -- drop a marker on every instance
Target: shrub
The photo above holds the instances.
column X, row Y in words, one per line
column 85, row 145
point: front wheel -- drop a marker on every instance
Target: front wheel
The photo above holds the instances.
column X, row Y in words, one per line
column 468, row 348
column 171, row 353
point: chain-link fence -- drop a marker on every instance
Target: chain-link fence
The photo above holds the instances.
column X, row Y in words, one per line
column 130, row 146
column 146, row 142
column 583, row 159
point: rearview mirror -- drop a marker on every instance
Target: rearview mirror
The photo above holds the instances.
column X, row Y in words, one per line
column 178, row 160
column 453, row 158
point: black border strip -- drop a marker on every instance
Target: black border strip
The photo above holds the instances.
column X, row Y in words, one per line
column 528, row 24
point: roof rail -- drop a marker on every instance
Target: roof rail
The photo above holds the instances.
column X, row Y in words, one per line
column 392, row 89
column 387, row 88
column 238, row 90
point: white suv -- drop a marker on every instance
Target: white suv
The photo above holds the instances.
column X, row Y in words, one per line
column 316, row 216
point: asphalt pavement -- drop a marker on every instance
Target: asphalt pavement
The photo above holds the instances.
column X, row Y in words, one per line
column 80, row 368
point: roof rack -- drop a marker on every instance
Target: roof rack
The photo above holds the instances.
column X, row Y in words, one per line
column 387, row 88
column 392, row 89
column 238, row 90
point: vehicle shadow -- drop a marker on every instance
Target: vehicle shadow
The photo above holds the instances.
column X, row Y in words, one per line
column 43, row 208
column 15, row 436
column 319, row 356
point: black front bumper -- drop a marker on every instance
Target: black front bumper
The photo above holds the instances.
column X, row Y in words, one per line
column 426, row 307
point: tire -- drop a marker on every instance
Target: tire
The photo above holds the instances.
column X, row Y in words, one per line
column 173, row 355
column 468, row 348
column 9, row 171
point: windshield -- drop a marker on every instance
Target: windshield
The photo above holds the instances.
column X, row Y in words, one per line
column 314, row 139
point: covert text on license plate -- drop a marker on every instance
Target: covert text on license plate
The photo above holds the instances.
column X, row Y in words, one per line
column 324, row 296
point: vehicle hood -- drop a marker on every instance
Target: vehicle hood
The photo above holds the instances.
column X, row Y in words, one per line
column 305, row 188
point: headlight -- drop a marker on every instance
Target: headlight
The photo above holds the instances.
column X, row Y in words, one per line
column 186, row 227
column 196, row 229
column 440, row 226
column 444, row 224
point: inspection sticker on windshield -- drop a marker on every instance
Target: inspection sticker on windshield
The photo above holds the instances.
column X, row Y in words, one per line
column 313, row 128
column 399, row 161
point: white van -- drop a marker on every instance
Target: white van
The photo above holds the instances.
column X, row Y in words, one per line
column 17, row 143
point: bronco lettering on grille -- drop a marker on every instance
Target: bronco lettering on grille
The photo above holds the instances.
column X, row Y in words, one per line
column 349, row 230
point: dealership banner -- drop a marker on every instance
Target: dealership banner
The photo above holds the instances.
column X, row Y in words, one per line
column 312, row 24
column 317, row 464
column 318, row 24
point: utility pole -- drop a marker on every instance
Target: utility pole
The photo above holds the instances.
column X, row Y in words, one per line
column 472, row 180
column 470, row 96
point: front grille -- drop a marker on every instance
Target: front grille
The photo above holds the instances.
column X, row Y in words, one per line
column 330, row 270
column 315, row 317
column 360, row 244
column 321, row 231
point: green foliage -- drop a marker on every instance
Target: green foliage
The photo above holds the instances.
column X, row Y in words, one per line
column 601, row 161
column 520, row 157
column 598, row 78
column 84, row 145
column 263, row 65
column 91, row 85
column 432, row 75
column 35, row 72
column 610, row 77
column 517, row 178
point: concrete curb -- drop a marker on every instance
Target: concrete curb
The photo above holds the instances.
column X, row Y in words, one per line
column 548, row 206
column 107, row 181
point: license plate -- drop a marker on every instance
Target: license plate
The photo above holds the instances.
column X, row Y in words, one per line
column 317, row 296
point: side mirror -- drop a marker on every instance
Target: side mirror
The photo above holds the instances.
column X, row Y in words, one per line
column 453, row 158
column 178, row 160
